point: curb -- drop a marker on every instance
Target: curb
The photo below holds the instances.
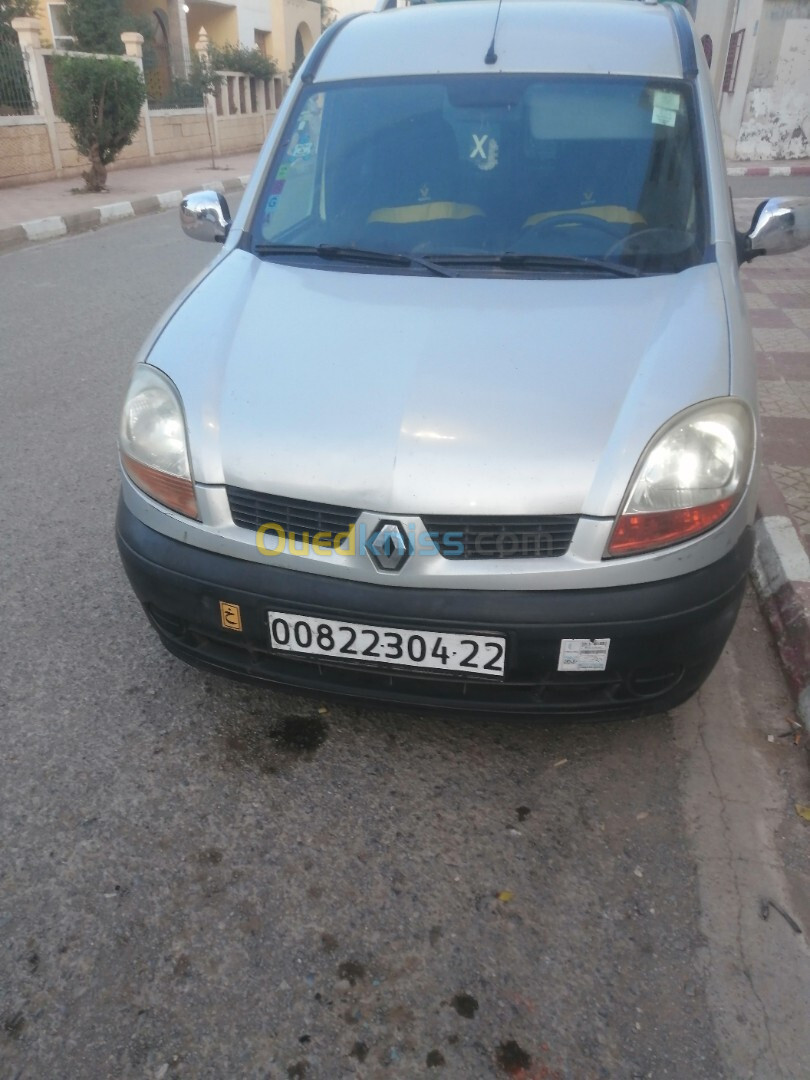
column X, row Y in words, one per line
column 49, row 228
column 769, row 170
column 781, row 575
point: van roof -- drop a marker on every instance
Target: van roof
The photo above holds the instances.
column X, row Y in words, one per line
column 617, row 37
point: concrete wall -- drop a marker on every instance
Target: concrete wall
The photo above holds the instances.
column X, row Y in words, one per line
column 714, row 17
column 25, row 150
column 73, row 163
column 241, row 133
column 183, row 129
column 252, row 15
column 177, row 134
column 767, row 115
column 221, row 24
column 775, row 118
column 349, row 7
column 289, row 16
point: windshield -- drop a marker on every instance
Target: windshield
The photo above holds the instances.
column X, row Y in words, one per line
column 487, row 166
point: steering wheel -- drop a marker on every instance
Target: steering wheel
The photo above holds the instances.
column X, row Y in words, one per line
column 669, row 242
column 571, row 217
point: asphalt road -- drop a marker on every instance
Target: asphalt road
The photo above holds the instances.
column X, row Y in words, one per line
column 767, row 187
column 203, row 880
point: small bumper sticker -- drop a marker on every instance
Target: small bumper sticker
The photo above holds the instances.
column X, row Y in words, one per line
column 583, row 654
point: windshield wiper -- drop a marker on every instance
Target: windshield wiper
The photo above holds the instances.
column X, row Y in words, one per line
column 513, row 260
column 351, row 254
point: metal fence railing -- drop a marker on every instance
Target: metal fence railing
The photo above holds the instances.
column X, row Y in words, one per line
column 16, row 96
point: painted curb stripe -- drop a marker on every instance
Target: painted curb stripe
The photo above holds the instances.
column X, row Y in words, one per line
column 116, row 211
column 768, row 170
column 45, row 228
column 49, row 228
column 167, row 199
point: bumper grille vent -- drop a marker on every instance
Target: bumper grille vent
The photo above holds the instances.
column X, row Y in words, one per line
column 250, row 509
column 462, row 537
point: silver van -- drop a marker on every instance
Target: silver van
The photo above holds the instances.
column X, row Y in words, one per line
column 464, row 412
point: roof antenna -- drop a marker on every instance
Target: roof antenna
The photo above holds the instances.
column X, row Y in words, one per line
column 492, row 56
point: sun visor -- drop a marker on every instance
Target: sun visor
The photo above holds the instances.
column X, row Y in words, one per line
column 562, row 112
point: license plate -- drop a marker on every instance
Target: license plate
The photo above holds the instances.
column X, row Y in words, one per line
column 465, row 653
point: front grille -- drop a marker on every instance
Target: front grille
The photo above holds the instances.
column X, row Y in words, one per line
column 463, row 537
column 456, row 536
column 251, row 509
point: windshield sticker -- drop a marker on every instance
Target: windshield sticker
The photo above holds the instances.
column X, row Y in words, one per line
column 484, row 152
column 666, row 105
column 478, row 147
column 583, row 654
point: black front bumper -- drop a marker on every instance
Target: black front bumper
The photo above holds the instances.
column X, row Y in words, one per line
column 665, row 637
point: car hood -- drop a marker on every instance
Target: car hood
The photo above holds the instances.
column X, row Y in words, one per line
column 412, row 394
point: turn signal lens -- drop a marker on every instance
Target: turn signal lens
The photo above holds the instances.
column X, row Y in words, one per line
column 173, row 491
column 645, row 532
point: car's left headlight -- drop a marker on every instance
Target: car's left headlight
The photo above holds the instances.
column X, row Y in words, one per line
column 153, row 443
column 691, row 476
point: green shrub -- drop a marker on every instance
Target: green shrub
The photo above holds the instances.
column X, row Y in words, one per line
column 241, row 58
column 14, row 9
column 101, row 100
column 15, row 95
column 97, row 25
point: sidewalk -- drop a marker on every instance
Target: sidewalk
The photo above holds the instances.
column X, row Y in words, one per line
column 778, row 293
column 777, row 290
column 53, row 208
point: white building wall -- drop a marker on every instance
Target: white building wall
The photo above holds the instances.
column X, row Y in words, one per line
column 767, row 117
column 775, row 119
column 349, row 7
column 252, row 15
column 714, row 17
column 732, row 104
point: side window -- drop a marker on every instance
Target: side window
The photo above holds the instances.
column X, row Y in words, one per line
column 291, row 192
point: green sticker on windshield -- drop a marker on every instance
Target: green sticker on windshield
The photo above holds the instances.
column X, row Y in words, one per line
column 666, row 105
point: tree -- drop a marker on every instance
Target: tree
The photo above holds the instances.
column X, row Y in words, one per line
column 15, row 94
column 97, row 25
column 14, row 9
column 241, row 58
column 328, row 14
column 101, row 100
column 207, row 81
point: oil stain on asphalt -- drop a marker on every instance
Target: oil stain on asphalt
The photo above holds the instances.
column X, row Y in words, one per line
column 465, row 1005
column 512, row 1058
column 306, row 733
column 255, row 741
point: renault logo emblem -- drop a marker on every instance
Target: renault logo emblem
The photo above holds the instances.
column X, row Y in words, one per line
column 388, row 546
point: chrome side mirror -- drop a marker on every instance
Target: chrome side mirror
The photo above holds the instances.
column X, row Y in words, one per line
column 779, row 226
column 204, row 215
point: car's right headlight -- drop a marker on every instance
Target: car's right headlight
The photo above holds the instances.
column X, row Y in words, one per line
column 153, row 443
column 690, row 477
